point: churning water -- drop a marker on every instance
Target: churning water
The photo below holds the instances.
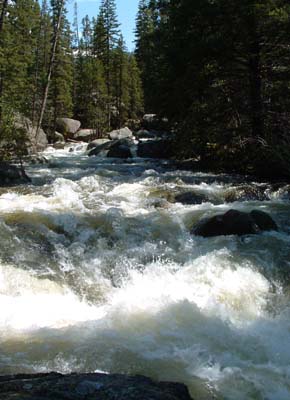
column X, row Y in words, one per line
column 99, row 271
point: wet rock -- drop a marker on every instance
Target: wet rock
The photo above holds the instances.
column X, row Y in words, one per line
column 97, row 142
column 235, row 222
column 67, row 126
column 190, row 198
column 263, row 220
column 246, row 193
column 89, row 387
column 283, row 192
column 122, row 149
column 158, row 193
column 122, row 133
column 98, row 149
column 12, row 175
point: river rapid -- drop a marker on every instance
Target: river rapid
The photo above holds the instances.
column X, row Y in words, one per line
column 99, row 272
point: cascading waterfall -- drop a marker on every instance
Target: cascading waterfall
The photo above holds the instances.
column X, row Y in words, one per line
column 99, row 272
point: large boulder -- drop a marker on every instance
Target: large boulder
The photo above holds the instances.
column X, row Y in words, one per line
column 122, row 133
column 12, row 175
column 235, row 222
column 101, row 148
column 263, row 221
column 35, row 141
column 123, row 148
column 97, row 142
column 85, row 135
column 95, row 386
column 67, row 126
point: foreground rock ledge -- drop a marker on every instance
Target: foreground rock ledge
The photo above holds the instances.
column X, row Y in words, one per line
column 97, row 386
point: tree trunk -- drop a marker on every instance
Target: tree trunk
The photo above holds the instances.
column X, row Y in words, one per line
column 50, row 67
column 4, row 6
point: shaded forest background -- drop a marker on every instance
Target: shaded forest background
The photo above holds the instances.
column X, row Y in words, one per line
column 217, row 70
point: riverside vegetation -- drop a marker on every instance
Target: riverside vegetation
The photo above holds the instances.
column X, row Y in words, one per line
column 217, row 71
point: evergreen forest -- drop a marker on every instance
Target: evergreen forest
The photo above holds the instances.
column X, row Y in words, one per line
column 216, row 71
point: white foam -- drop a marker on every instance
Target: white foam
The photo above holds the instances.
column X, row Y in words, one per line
column 30, row 303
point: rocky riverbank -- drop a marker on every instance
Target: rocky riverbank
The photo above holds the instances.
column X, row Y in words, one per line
column 88, row 387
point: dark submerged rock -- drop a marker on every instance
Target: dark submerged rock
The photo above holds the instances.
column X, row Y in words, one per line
column 12, row 175
column 190, row 198
column 235, row 222
column 89, row 387
column 263, row 220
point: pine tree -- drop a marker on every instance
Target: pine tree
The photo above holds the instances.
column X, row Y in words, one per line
column 120, row 93
column 62, row 76
column 106, row 33
column 18, row 37
column 86, row 42
column 91, row 93
column 42, row 52
column 148, row 50
column 135, row 106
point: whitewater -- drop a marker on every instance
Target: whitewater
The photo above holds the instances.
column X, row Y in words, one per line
column 99, row 272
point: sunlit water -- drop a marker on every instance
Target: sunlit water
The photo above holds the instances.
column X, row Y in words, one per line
column 99, row 272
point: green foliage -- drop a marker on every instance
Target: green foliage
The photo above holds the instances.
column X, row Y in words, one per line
column 90, row 100
column 62, row 77
column 12, row 137
column 92, row 76
column 220, row 70
column 107, row 79
column 17, row 56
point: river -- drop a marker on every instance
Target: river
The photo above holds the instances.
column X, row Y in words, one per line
column 99, row 272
